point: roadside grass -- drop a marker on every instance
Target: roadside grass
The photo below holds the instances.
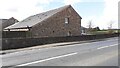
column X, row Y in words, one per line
column 104, row 32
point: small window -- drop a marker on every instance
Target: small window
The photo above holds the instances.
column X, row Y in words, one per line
column 66, row 20
column 53, row 31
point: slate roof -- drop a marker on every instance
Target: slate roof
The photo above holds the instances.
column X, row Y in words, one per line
column 35, row 19
column 82, row 28
column 3, row 20
column 7, row 22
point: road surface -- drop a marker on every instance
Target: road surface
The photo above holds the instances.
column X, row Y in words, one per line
column 99, row 53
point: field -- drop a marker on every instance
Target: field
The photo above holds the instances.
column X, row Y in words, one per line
column 104, row 32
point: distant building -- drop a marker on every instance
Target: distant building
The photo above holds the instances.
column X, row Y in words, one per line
column 84, row 30
column 7, row 22
column 63, row 21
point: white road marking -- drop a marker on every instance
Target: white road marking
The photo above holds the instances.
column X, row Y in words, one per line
column 107, row 46
column 48, row 59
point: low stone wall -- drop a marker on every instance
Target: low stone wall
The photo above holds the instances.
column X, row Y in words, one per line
column 14, row 43
column 14, row 34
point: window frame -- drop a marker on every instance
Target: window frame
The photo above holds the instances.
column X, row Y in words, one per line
column 66, row 20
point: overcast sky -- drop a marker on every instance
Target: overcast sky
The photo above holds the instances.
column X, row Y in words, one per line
column 100, row 12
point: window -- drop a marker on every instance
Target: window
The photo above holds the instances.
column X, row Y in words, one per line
column 53, row 31
column 66, row 20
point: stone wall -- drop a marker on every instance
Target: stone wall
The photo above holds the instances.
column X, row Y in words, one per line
column 14, row 43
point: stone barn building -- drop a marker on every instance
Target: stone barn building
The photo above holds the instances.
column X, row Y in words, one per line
column 63, row 21
column 7, row 22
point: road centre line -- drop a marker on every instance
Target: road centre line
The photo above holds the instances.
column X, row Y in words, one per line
column 107, row 46
column 70, row 54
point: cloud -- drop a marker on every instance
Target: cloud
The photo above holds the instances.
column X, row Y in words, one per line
column 72, row 2
column 21, row 9
column 67, row 2
column 111, row 10
column 110, row 13
column 13, row 9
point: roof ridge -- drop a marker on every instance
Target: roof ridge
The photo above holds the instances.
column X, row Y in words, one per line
column 53, row 9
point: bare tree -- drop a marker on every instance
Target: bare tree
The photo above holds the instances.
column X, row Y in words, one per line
column 110, row 24
column 90, row 27
column 110, row 27
column 90, row 24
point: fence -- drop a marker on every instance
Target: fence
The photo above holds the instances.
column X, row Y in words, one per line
column 13, row 43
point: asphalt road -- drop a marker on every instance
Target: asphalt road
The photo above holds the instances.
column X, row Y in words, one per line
column 100, row 53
